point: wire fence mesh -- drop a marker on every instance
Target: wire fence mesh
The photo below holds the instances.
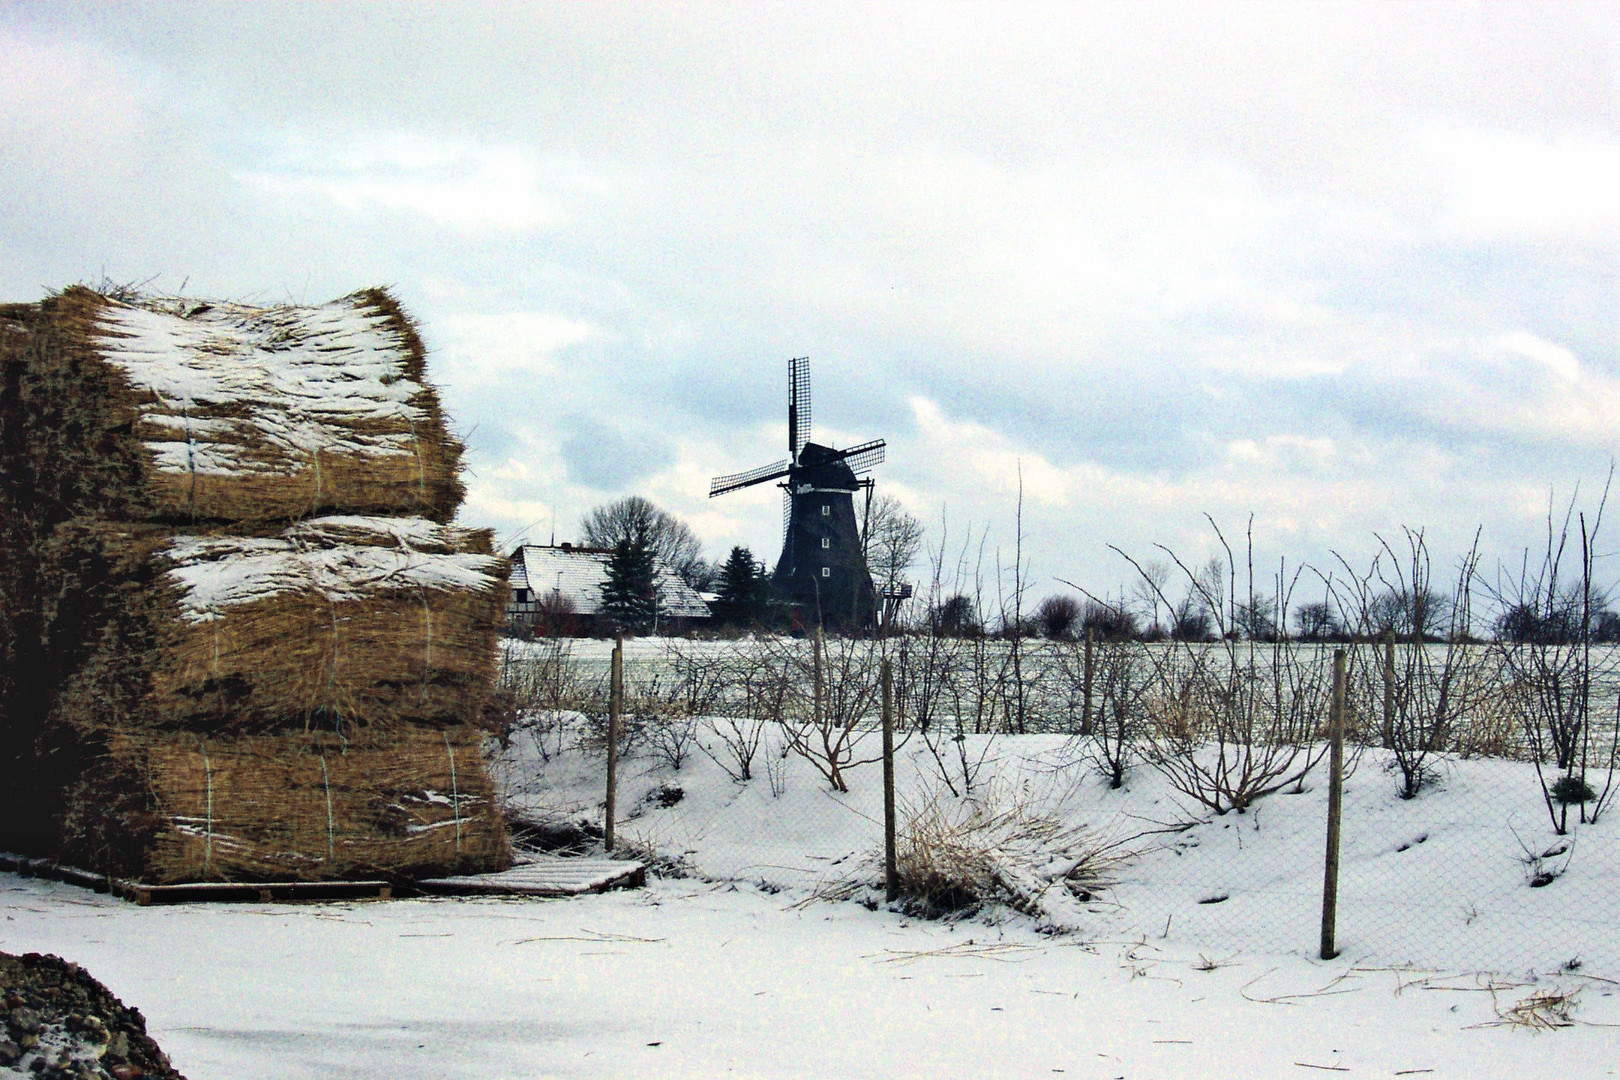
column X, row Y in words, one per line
column 1161, row 791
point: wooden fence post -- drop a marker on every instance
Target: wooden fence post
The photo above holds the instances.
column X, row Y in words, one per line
column 891, row 866
column 1330, row 873
column 1085, row 709
column 615, row 706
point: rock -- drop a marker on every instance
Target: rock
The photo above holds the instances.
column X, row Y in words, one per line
column 48, row 995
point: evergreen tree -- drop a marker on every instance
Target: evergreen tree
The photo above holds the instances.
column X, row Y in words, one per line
column 744, row 589
column 630, row 593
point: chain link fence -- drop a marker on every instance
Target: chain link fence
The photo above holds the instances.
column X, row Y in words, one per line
column 1172, row 790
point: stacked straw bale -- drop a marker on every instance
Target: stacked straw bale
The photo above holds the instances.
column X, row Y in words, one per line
column 233, row 413
column 311, row 807
column 224, row 553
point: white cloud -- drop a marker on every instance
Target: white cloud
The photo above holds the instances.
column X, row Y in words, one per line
column 512, row 346
column 460, row 184
column 1557, row 359
column 1536, row 187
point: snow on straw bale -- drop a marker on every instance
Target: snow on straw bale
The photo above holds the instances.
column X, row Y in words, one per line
column 371, row 620
column 305, row 380
column 321, row 557
column 227, row 412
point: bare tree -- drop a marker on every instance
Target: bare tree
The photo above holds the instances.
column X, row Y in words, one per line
column 1058, row 616
column 1149, row 589
column 1316, row 620
column 672, row 539
column 892, row 543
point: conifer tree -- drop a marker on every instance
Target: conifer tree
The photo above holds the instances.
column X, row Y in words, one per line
column 744, row 589
column 630, row 593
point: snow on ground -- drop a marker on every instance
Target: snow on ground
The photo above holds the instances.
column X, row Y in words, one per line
column 691, row 979
column 1440, row 881
column 1197, row 961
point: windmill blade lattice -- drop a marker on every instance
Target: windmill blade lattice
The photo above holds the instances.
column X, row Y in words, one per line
column 722, row 484
column 865, row 457
column 798, row 404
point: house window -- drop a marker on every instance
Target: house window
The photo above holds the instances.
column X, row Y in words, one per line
column 825, row 543
column 826, row 509
column 522, row 596
column 826, row 571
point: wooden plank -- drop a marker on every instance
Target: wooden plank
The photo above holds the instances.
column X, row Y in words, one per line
column 544, row 876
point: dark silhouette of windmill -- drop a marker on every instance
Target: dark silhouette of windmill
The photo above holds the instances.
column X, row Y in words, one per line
column 822, row 566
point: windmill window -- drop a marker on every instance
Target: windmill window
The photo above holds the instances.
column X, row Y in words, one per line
column 826, row 508
column 522, row 596
column 825, row 543
column 826, row 571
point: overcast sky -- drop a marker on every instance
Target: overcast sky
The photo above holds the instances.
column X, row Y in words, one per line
column 1346, row 268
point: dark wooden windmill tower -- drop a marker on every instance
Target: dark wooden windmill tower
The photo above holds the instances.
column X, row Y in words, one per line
column 822, row 567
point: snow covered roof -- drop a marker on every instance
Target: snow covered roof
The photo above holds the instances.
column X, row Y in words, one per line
column 227, row 389
column 341, row 558
column 580, row 573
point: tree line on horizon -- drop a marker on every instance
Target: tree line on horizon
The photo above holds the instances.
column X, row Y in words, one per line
column 1396, row 597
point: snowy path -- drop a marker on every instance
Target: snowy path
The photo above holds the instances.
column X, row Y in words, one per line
column 686, row 980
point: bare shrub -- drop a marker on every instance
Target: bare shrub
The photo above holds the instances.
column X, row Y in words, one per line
column 539, row 687
column 828, row 696
column 941, row 676
column 1232, row 721
column 1114, row 689
column 1547, row 629
column 733, row 744
column 670, row 735
column 1430, row 677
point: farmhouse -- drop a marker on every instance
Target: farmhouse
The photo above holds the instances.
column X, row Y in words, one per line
column 559, row 589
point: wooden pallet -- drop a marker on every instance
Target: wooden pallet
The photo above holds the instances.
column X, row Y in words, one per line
column 536, row 875
column 544, row 875
column 143, row 894
column 264, row 892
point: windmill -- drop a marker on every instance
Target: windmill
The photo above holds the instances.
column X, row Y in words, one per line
column 822, row 566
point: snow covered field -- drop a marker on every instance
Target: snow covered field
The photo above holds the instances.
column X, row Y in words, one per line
column 1439, row 881
column 691, row 979
column 1196, row 960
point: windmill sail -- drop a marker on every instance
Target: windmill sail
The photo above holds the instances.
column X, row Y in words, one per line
column 798, row 405
column 722, row 484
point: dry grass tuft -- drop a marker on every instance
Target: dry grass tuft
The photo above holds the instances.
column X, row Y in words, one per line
column 954, row 855
column 1544, row 1010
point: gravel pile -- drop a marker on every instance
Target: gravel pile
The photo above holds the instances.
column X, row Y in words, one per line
column 57, row 1023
